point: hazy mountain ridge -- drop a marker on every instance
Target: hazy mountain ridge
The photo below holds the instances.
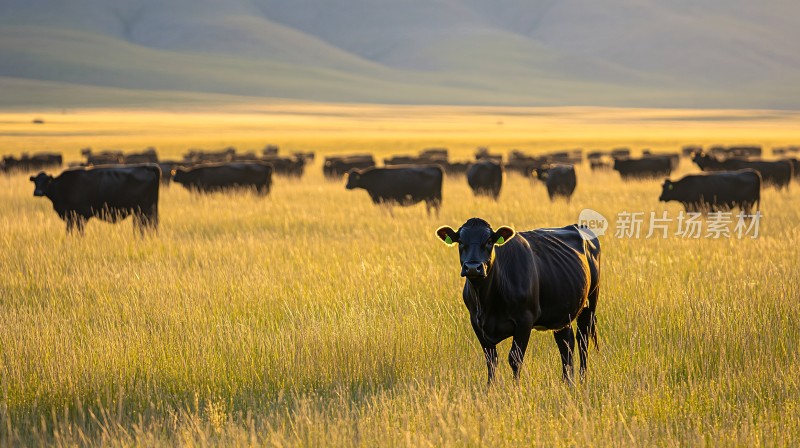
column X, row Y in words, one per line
column 716, row 53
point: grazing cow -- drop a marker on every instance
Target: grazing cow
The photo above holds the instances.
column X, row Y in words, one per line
column 403, row 185
column 674, row 158
column 293, row 167
column 337, row 166
column 106, row 157
column 197, row 156
column 108, row 193
column 485, row 178
column 777, row 173
column 644, row 168
column 721, row 190
column 305, row 156
column 167, row 167
column 147, row 156
column 434, row 153
column 559, row 179
column 482, row 153
column 741, row 151
column 455, row 168
column 406, row 160
column 28, row 163
column 541, row 279
column 619, row 153
column 795, row 162
column 220, row 177
column 688, row 150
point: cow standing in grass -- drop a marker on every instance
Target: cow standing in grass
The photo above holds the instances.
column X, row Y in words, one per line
column 721, row 190
column 516, row 282
column 109, row 193
column 401, row 185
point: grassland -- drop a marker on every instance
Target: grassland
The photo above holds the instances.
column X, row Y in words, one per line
column 312, row 318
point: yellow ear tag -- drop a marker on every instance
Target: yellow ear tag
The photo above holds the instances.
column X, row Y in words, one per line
column 447, row 240
column 500, row 241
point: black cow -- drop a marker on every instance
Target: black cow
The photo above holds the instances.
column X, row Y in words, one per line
column 722, row 190
column 28, row 163
column 482, row 153
column 107, row 193
column 777, row 173
column 485, row 178
column 292, row 167
column 403, row 185
column 335, row 167
column 220, row 177
column 559, row 179
column 645, row 168
column 149, row 155
column 540, row 279
column 167, row 167
column 455, row 168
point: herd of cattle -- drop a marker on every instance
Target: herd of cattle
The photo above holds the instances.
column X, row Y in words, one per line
column 112, row 185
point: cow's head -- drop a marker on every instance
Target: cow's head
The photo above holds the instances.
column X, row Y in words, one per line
column 476, row 241
column 353, row 179
column 41, row 181
column 178, row 175
column 667, row 189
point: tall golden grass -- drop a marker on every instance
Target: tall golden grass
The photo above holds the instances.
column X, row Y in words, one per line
column 313, row 318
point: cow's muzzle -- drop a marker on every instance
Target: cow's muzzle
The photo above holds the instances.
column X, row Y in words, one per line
column 473, row 270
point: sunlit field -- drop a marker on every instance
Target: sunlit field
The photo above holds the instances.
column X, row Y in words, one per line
column 313, row 318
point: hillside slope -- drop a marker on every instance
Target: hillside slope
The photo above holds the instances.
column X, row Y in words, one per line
column 716, row 53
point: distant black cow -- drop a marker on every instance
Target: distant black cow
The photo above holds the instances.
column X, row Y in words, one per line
column 540, row 279
column 197, row 156
column 149, row 155
column 292, row 167
column 620, row 153
column 645, row 168
column 335, row 167
column 455, row 168
column 559, row 179
column 167, row 167
column 403, row 185
column 485, row 178
column 107, row 193
column 105, row 157
column 27, row 163
column 777, row 173
column 482, row 153
column 722, row 190
column 220, row 177
column 795, row 167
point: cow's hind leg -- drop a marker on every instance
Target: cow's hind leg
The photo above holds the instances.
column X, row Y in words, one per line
column 586, row 330
column 565, row 339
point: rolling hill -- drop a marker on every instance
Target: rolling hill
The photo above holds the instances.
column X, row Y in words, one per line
column 659, row 53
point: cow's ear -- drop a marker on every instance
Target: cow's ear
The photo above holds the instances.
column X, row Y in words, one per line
column 32, row 179
column 502, row 235
column 447, row 234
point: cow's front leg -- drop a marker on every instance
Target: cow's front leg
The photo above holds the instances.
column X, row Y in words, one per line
column 518, row 347
column 489, row 353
